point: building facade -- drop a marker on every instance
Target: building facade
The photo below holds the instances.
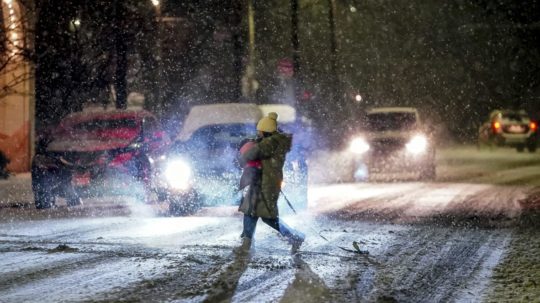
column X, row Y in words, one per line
column 16, row 86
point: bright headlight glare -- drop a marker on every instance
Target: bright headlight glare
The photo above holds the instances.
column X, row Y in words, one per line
column 359, row 146
column 418, row 144
column 178, row 174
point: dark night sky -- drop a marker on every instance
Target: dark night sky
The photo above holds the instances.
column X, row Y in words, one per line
column 372, row 53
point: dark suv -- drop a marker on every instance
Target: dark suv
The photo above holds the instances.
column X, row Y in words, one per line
column 509, row 128
column 393, row 139
column 202, row 166
column 93, row 153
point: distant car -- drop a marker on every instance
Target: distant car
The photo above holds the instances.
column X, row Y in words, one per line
column 509, row 128
column 207, row 150
column 393, row 139
column 95, row 153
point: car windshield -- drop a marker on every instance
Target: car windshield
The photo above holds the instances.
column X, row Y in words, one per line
column 513, row 116
column 215, row 136
column 101, row 129
column 390, row 121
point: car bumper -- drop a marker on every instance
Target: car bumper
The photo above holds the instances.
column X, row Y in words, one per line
column 91, row 182
column 516, row 139
column 110, row 182
column 397, row 161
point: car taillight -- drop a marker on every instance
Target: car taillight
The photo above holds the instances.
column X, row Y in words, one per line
column 533, row 126
column 121, row 159
column 496, row 127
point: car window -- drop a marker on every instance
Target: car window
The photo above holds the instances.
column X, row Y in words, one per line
column 214, row 136
column 514, row 116
column 104, row 124
column 390, row 121
column 103, row 128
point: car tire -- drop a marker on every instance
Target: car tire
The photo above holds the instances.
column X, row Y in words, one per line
column 520, row 148
column 531, row 147
column 42, row 198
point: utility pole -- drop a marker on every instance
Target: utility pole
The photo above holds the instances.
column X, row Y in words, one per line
column 159, row 85
column 294, row 41
column 297, row 73
column 237, row 49
column 249, row 83
column 120, row 80
column 333, row 48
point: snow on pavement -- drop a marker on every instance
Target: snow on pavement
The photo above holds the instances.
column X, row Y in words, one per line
column 413, row 201
column 113, row 250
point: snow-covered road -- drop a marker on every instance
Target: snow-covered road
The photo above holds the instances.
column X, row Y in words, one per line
column 445, row 241
column 191, row 259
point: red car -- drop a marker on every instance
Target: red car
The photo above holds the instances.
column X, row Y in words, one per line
column 96, row 153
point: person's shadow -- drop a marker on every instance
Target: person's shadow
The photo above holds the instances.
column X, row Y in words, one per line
column 224, row 287
column 306, row 285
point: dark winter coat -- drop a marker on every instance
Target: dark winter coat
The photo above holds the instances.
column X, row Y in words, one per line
column 260, row 199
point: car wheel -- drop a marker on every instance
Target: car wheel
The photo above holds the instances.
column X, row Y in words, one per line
column 42, row 198
column 43, row 193
column 531, row 147
column 520, row 148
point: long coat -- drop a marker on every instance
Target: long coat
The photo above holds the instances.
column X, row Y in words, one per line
column 260, row 199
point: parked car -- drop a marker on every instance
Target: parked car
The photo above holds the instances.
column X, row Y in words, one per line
column 96, row 153
column 509, row 128
column 207, row 151
column 393, row 139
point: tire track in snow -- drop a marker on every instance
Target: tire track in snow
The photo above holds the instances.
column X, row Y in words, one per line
column 434, row 203
column 432, row 265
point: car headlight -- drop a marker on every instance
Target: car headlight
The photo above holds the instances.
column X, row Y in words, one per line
column 417, row 145
column 359, row 146
column 178, row 174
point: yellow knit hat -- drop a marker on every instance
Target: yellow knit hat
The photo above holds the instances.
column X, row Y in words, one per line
column 268, row 124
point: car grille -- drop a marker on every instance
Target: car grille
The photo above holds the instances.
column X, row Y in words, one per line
column 387, row 145
column 82, row 159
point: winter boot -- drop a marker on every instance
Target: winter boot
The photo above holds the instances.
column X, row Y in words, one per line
column 296, row 242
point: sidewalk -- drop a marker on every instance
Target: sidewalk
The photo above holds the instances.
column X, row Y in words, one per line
column 16, row 190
